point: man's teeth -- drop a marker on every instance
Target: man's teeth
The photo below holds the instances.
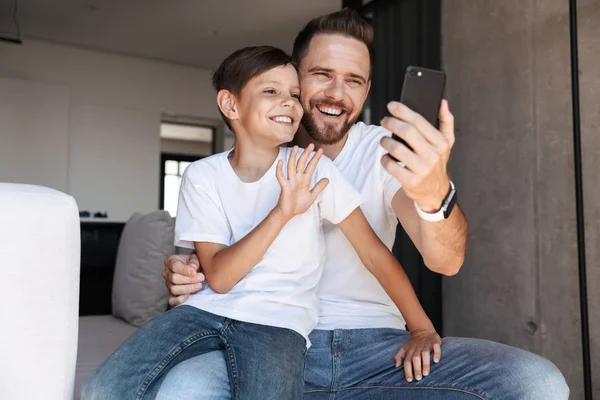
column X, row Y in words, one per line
column 287, row 120
column 330, row 111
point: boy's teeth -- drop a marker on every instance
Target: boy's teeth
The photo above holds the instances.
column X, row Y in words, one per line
column 287, row 120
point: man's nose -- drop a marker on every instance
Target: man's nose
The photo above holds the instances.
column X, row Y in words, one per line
column 335, row 90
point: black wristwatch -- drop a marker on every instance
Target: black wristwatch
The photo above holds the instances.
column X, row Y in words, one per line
column 444, row 211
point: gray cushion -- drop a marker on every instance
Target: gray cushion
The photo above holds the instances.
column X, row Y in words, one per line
column 139, row 292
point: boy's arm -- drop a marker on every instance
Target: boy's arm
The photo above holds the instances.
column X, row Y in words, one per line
column 379, row 260
column 224, row 266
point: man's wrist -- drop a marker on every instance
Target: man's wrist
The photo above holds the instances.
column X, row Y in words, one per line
column 434, row 204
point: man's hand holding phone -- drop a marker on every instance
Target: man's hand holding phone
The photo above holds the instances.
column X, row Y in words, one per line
column 424, row 176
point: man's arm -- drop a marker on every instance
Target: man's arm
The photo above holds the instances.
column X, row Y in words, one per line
column 442, row 244
column 425, row 181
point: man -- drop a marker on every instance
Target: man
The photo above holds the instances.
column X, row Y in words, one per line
column 360, row 331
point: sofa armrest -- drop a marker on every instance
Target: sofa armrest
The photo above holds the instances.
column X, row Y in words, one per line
column 39, row 263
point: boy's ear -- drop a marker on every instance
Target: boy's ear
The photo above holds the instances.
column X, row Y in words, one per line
column 227, row 105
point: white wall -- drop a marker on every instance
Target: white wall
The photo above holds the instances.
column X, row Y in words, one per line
column 87, row 122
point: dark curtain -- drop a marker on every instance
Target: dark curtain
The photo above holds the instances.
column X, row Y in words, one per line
column 407, row 32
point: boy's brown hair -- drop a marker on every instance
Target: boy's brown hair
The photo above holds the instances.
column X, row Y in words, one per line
column 244, row 64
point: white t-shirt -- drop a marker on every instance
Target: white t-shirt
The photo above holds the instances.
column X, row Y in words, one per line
column 281, row 290
column 350, row 296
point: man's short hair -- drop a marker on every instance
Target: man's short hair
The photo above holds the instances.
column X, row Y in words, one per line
column 244, row 64
column 346, row 22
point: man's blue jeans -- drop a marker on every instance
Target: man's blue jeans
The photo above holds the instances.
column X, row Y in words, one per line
column 358, row 364
column 261, row 361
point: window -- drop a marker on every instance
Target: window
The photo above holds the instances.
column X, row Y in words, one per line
column 183, row 140
column 172, row 166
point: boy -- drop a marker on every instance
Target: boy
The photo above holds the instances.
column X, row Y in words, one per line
column 256, row 226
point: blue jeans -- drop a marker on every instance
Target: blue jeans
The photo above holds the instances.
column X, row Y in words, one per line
column 261, row 361
column 358, row 364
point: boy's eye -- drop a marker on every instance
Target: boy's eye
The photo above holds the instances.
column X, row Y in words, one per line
column 296, row 95
column 270, row 91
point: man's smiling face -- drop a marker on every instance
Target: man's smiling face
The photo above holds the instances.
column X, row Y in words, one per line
column 334, row 82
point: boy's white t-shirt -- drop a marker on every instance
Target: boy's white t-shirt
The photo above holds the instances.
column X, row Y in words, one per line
column 281, row 290
column 350, row 296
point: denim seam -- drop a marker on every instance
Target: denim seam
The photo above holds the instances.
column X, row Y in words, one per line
column 174, row 353
column 334, row 357
column 401, row 388
column 233, row 369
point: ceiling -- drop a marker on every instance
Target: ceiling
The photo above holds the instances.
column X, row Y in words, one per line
column 199, row 33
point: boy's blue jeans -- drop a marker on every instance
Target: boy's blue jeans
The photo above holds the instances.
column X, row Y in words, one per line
column 358, row 364
column 262, row 362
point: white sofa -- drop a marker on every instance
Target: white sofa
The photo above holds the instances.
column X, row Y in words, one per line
column 39, row 261
column 47, row 350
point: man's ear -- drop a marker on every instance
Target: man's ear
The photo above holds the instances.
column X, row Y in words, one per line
column 227, row 104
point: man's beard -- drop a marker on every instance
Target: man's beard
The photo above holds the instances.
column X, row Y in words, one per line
column 328, row 134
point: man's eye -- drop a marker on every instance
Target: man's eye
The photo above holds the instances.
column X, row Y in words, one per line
column 322, row 74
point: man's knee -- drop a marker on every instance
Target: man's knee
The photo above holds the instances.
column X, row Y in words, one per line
column 93, row 388
column 541, row 379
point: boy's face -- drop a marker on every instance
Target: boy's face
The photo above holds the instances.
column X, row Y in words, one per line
column 268, row 106
column 334, row 77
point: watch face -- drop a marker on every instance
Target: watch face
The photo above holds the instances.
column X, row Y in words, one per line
column 449, row 203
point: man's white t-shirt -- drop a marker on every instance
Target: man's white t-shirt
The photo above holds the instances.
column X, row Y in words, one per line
column 281, row 290
column 350, row 296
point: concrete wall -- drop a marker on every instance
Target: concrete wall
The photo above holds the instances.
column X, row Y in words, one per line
column 509, row 86
column 88, row 122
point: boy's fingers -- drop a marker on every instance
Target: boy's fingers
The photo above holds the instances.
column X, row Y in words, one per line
column 426, row 357
column 291, row 172
column 319, row 187
column 408, row 374
column 312, row 165
column 279, row 173
column 416, row 361
column 399, row 356
column 437, row 352
column 301, row 166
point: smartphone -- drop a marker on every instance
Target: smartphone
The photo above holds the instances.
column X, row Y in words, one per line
column 422, row 92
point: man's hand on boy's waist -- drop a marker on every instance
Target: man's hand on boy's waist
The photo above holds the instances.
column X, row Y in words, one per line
column 182, row 277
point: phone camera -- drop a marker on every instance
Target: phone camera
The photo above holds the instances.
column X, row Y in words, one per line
column 413, row 72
